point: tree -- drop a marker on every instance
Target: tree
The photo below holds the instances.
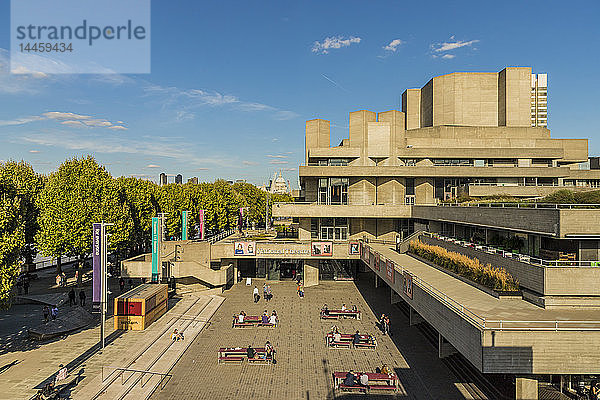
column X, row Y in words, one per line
column 12, row 239
column 24, row 183
column 80, row 193
column 141, row 198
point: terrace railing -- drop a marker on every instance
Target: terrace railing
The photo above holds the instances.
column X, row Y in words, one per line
column 524, row 258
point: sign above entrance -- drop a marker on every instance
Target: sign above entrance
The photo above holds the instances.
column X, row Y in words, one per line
column 244, row 248
column 353, row 248
column 283, row 251
column 321, row 248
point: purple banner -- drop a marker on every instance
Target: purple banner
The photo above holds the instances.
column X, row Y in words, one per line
column 96, row 265
column 201, row 225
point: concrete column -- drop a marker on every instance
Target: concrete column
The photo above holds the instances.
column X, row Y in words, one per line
column 376, row 280
column 414, row 318
column 311, row 273
column 526, row 388
column 445, row 349
column 394, row 297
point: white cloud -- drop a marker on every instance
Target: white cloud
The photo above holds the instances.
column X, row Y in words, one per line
column 34, row 151
column 152, row 166
column 278, row 162
column 115, row 144
column 276, row 156
column 448, row 56
column 393, row 45
column 450, row 45
column 334, row 42
column 183, row 115
column 249, row 163
column 187, row 99
column 20, row 121
column 68, row 119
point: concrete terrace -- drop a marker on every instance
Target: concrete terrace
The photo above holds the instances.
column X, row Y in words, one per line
column 305, row 364
column 481, row 303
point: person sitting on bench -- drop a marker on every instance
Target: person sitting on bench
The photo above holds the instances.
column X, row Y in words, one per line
column 385, row 369
column 356, row 339
column 354, row 308
column 265, row 318
column 270, row 351
column 335, row 329
column 350, row 379
column 273, row 319
column 364, row 379
column 325, row 310
column 344, row 307
column 241, row 317
column 337, row 337
column 250, row 352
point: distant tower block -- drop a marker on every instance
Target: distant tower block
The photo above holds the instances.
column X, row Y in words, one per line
column 178, row 179
column 162, row 179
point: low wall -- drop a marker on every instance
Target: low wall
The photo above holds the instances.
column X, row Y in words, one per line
column 546, row 281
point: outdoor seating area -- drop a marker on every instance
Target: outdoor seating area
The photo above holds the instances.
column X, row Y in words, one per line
column 377, row 382
column 252, row 321
column 237, row 355
column 343, row 312
column 346, row 340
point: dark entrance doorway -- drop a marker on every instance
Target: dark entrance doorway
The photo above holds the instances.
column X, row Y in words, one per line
column 287, row 270
column 247, row 267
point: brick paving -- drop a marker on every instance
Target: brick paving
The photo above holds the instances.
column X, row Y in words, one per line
column 305, row 364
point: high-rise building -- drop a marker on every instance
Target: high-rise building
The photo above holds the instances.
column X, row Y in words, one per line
column 178, row 179
column 193, row 180
column 539, row 100
column 162, row 181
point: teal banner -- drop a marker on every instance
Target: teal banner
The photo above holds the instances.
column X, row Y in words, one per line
column 155, row 240
column 184, row 225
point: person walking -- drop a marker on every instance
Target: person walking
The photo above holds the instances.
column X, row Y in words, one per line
column 256, row 295
column 46, row 312
column 72, row 300
column 26, row 284
column 269, row 293
column 54, row 312
column 63, row 279
column 265, row 292
column 387, row 326
column 81, row 298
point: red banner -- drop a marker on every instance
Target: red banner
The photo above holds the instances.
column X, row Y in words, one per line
column 377, row 261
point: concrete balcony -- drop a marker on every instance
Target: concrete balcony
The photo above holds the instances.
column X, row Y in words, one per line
column 479, row 190
column 316, row 210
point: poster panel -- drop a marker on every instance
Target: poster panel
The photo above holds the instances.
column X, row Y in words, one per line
column 407, row 285
column 389, row 272
column 353, row 248
column 244, row 248
column 321, row 248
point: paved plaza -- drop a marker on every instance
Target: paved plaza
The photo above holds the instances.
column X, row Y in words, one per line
column 304, row 363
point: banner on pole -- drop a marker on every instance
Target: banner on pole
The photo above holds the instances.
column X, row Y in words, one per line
column 201, row 225
column 155, row 241
column 96, row 266
column 184, row 225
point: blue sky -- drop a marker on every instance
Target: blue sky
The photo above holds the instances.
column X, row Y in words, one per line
column 233, row 82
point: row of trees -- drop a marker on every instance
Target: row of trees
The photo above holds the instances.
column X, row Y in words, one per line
column 53, row 214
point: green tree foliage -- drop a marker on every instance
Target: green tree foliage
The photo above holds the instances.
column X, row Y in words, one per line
column 12, row 238
column 80, row 193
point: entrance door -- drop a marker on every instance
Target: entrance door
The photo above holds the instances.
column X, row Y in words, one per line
column 287, row 270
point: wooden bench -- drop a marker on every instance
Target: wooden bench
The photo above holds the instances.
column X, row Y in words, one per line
column 340, row 344
column 231, row 360
column 363, row 345
column 260, row 360
column 382, row 387
column 243, row 324
column 355, row 388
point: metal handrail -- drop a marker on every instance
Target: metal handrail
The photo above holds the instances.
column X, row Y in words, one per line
column 142, row 371
column 524, row 258
column 521, row 205
column 219, row 236
column 496, row 325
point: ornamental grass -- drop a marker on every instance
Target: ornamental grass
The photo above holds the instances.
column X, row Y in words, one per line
column 470, row 268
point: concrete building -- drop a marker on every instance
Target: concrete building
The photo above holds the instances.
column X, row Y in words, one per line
column 178, row 179
column 162, row 180
column 193, row 180
column 394, row 179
